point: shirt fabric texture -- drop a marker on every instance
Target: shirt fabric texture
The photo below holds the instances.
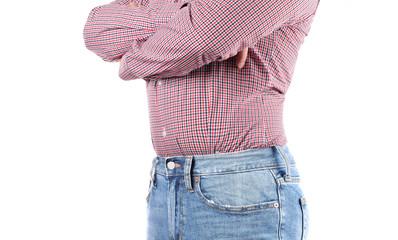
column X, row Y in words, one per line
column 198, row 105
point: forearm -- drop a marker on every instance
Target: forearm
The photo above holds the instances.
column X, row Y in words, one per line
column 112, row 29
column 205, row 31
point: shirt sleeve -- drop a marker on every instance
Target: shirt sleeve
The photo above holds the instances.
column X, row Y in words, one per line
column 140, row 2
column 204, row 31
column 112, row 29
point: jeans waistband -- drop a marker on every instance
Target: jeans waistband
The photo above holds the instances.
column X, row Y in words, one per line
column 250, row 159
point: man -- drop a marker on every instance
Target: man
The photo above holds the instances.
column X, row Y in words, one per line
column 223, row 169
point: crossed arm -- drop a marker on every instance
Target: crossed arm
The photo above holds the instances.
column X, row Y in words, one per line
column 240, row 60
column 111, row 29
column 203, row 31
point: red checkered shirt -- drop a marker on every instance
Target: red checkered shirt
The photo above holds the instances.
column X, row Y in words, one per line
column 198, row 105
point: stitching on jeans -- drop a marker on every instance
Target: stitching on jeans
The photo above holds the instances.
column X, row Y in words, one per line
column 280, row 204
column 292, row 180
column 181, row 209
column 246, row 208
column 237, row 211
column 225, row 172
column 287, row 162
column 185, row 172
column 303, row 201
column 281, row 180
column 274, row 175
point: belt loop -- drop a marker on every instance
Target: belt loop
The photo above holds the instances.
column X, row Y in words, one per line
column 153, row 172
column 286, row 159
column 187, row 173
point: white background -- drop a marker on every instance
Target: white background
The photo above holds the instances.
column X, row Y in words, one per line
column 75, row 146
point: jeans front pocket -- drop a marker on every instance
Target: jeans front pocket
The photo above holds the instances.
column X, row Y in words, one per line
column 238, row 191
column 304, row 211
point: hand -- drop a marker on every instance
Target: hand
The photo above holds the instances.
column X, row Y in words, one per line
column 240, row 59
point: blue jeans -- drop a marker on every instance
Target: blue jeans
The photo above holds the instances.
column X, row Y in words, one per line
column 250, row 194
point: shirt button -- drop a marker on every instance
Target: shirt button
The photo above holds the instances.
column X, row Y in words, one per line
column 164, row 132
column 171, row 165
column 159, row 83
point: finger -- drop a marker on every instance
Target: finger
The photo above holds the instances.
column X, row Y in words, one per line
column 132, row 4
column 241, row 58
column 222, row 59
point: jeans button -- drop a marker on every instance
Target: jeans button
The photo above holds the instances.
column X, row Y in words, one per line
column 171, row 165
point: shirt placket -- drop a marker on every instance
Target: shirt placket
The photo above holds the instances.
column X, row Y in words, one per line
column 158, row 96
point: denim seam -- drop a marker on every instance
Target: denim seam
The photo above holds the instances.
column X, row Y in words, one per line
column 153, row 173
column 187, row 173
column 287, row 162
column 225, row 172
column 169, row 212
column 181, row 208
column 237, row 211
column 245, row 208
column 149, row 192
column 292, row 181
column 207, row 156
column 303, row 222
column 280, row 203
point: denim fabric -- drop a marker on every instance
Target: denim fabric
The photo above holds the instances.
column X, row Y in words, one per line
column 250, row 194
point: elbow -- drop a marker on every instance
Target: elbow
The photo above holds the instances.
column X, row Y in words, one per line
column 87, row 41
column 92, row 35
column 125, row 72
column 101, row 37
column 89, row 31
column 124, row 76
column 133, row 67
column 91, row 42
column 128, row 76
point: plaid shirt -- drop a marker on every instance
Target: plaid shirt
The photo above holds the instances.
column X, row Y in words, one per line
column 198, row 105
